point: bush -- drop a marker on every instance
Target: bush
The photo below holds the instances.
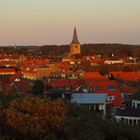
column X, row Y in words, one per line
column 38, row 87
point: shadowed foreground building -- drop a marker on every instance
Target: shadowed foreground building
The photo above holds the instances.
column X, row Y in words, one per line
column 130, row 115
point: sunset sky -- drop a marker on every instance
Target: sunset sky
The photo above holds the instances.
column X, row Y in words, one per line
column 39, row 22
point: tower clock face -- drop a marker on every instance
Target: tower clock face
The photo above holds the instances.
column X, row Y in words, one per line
column 76, row 46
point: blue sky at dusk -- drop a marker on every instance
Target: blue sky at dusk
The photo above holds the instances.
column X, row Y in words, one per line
column 40, row 22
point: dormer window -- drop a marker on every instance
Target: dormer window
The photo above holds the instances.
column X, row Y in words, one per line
column 111, row 87
column 98, row 87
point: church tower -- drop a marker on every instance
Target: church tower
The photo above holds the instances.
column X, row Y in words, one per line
column 75, row 45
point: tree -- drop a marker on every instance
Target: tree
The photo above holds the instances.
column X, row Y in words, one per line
column 83, row 124
column 35, row 117
column 38, row 87
column 104, row 70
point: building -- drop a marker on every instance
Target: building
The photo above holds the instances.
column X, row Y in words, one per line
column 95, row 102
column 110, row 62
column 130, row 115
column 7, row 71
column 114, row 98
column 136, row 100
column 75, row 45
column 35, row 73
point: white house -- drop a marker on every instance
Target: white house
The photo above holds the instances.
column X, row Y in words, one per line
column 114, row 62
column 136, row 100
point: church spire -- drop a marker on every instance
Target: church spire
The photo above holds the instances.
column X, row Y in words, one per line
column 75, row 38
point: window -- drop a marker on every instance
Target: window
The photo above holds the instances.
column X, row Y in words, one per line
column 127, row 121
column 133, row 105
column 99, row 87
column 122, row 119
column 110, row 98
column 97, row 107
column 91, row 90
column 130, row 121
column 67, row 88
column 85, row 90
column 63, row 96
column 138, row 105
column 111, row 87
column 134, row 122
column 138, row 121
column 90, row 107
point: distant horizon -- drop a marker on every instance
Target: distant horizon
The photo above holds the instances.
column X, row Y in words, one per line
column 26, row 45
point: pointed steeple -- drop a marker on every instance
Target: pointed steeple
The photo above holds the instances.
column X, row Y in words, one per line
column 75, row 38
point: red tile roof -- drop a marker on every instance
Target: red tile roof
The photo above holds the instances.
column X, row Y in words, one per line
column 9, row 63
column 7, row 87
column 95, row 84
column 7, row 71
column 127, row 89
column 63, row 83
column 97, row 61
column 64, row 67
column 23, row 86
column 36, row 62
column 94, row 76
column 29, row 70
column 127, row 76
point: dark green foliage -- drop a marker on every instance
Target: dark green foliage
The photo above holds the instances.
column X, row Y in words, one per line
column 38, row 87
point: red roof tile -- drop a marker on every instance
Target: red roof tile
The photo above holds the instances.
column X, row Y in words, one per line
column 94, row 76
column 64, row 83
column 127, row 76
column 64, row 67
column 7, row 71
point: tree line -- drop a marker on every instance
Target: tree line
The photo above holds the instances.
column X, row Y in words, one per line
column 105, row 50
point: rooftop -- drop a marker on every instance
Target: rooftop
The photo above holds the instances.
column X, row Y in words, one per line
column 129, row 112
column 89, row 98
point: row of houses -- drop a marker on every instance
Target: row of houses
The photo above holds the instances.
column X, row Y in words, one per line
column 99, row 93
column 97, row 60
column 119, row 93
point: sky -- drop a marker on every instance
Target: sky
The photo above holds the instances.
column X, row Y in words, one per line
column 40, row 22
